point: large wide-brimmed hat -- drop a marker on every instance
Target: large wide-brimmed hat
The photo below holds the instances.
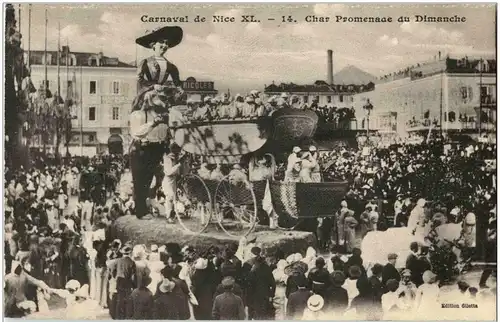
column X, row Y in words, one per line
column 173, row 35
column 126, row 249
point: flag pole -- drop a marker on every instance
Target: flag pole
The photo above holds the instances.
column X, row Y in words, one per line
column 29, row 38
column 480, row 96
column 81, row 110
column 19, row 17
column 67, row 69
column 58, row 61
column 45, row 87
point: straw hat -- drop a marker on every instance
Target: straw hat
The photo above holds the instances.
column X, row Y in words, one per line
column 72, row 285
column 315, row 303
column 296, row 149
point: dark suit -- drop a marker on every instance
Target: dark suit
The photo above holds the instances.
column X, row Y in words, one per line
column 260, row 288
column 125, row 274
column 141, row 304
column 390, row 272
column 228, row 306
column 420, row 266
column 336, row 299
column 376, row 292
column 297, row 302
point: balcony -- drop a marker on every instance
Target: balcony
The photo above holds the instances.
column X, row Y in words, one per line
column 470, row 124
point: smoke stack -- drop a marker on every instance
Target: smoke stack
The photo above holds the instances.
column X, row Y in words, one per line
column 330, row 67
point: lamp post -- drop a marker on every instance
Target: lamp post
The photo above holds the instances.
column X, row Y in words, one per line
column 368, row 107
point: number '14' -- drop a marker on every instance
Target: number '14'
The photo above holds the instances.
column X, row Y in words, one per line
column 287, row 19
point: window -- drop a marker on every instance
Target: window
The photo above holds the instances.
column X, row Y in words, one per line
column 328, row 99
column 116, row 88
column 92, row 113
column 93, row 87
column 69, row 84
column 317, row 98
column 341, row 98
column 116, row 113
column 306, row 98
column 91, row 138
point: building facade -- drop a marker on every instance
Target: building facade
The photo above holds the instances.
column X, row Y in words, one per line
column 339, row 96
column 447, row 94
column 101, row 88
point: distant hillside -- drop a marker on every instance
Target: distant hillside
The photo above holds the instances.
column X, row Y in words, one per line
column 352, row 75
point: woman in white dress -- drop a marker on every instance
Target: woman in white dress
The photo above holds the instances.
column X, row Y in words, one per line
column 427, row 298
column 416, row 221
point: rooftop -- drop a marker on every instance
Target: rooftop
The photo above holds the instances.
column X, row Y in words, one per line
column 318, row 87
column 464, row 65
column 75, row 59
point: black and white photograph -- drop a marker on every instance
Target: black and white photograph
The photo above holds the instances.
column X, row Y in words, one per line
column 250, row 161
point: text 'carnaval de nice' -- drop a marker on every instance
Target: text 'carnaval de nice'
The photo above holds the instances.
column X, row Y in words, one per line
column 310, row 18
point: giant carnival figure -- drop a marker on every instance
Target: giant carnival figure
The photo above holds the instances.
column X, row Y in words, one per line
column 149, row 117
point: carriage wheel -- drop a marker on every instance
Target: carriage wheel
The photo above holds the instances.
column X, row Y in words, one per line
column 235, row 207
column 193, row 205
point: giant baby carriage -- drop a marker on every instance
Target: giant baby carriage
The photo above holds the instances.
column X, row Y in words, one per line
column 232, row 202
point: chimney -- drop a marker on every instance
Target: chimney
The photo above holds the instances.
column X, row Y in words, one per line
column 330, row 67
column 439, row 55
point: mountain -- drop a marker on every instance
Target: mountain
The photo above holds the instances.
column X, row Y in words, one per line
column 352, row 75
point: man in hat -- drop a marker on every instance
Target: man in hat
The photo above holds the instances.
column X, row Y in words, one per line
column 336, row 298
column 390, row 271
column 260, row 286
column 124, row 271
column 146, row 122
column 172, row 169
column 228, row 306
column 293, row 158
column 308, row 164
column 283, row 101
column 316, row 171
column 297, row 301
column 407, row 287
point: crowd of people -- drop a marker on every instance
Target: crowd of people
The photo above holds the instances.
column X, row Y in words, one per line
column 51, row 246
column 257, row 104
column 171, row 282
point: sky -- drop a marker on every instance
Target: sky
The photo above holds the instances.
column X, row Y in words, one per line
column 242, row 56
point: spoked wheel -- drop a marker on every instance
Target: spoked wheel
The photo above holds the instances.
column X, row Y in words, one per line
column 235, row 207
column 193, row 205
